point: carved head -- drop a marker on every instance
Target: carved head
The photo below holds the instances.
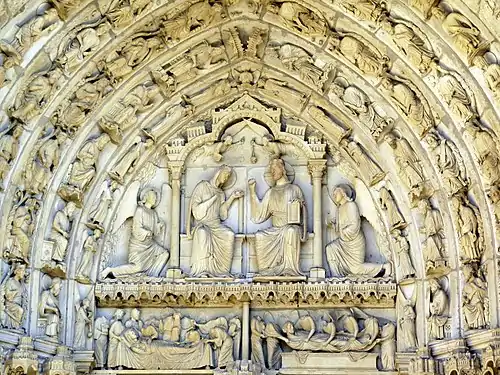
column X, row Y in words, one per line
column 424, row 206
column 102, row 141
column 288, row 328
column 119, row 314
column 97, row 233
column 468, row 271
column 55, row 288
column 86, row 302
column 228, row 140
column 434, row 285
column 433, row 140
column 17, row 132
column 339, row 195
column 19, row 271
column 149, row 198
column 223, row 176
column 70, row 209
column 135, row 314
column 277, row 169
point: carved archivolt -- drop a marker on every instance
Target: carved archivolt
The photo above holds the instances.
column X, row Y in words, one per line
column 386, row 114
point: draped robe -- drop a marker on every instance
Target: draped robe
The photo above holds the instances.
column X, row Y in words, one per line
column 213, row 242
column 346, row 254
column 278, row 247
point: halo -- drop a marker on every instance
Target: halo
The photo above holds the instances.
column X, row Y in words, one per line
column 230, row 182
column 290, row 173
column 147, row 190
column 348, row 190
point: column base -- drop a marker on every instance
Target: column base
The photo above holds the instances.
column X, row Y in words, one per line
column 317, row 274
column 174, row 273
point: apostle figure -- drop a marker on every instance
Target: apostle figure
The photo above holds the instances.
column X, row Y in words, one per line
column 346, row 253
column 438, row 308
column 146, row 255
column 278, row 247
column 213, row 242
column 49, row 308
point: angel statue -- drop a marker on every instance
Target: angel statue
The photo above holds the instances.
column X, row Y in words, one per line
column 346, row 253
column 213, row 242
column 146, row 255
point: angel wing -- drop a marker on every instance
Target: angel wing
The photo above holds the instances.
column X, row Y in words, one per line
column 148, row 171
column 127, row 210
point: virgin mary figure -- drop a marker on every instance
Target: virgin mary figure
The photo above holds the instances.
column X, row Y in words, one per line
column 213, row 242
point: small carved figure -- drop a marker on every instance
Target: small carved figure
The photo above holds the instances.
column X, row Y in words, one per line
column 487, row 152
column 115, row 332
column 83, row 324
column 413, row 47
column 223, row 344
column 402, row 247
column 367, row 10
column 364, row 162
column 9, row 147
column 300, row 19
column 61, row 228
column 217, row 149
column 368, row 60
column 475, row 299
column 388, row 347
column 128, row 162
column 449, row 162
column 425, row 6
column 438, row 308
column 456, row 97
column 467, row 225
column 146, row 255
column 83, row 170
column 346, row 253
column 100, row 210
column 87, row 260
column 464, row 34
column 434, row 233
column 213, row 242
column 410, row 101
column 387, row 201
column 12, row 298
column 278, row 247
column 36, row 95
column 257, row 327
column 21, row 227
column 34, row 29
column 407, row 324
column 49, row 308
column 101, row 332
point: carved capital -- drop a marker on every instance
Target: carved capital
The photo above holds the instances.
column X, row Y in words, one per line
column 316, row 168
column 176, row 169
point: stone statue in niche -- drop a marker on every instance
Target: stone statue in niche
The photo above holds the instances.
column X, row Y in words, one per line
column 409, row 168
column 83, row 169
column 59, row 236
column 213, row 242
column 87, row 260
column 273, row 346
column 468, row 227
column 146, row 254
column 475, row 298
column 12, row 298
column 464, row 34
column 396, row 220
column 21, row 226
column 402, row 249
column 115, row 330
column 410, row 101
column 388, row 347
column 217, row 149
column 223, row 344
column 367, row 165
column 449, row 162
column 407, row 322
column 278, row 247
column 456, row 97
column 438, row 310
column 48, row 309
column 101, row 333
column 487, row 152
column 346, row 253
column 83, row 324
column 433, row 230
column 9, row 146
column 128, row 162
column 99, row 212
